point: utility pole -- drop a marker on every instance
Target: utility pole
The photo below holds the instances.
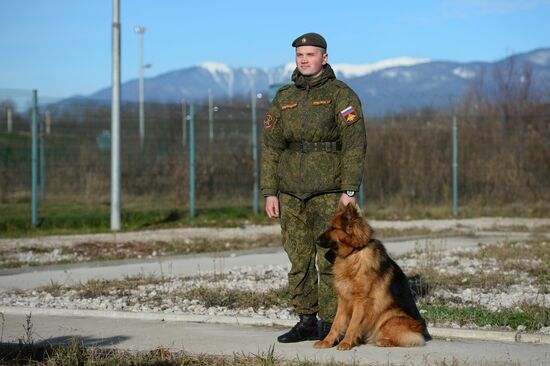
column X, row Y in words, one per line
column 115, row 119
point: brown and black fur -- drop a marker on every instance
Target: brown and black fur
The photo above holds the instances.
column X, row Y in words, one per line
column 375, row 303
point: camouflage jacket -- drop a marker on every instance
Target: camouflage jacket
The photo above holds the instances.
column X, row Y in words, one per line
column 313, row 138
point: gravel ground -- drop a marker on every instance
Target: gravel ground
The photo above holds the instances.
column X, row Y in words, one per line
column 164, row 294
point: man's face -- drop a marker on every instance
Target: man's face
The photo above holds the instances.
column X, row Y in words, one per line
column 310, row 60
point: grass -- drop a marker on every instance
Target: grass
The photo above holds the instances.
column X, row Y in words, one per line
column 76, row 353
column 530, row 316
column 499, row 267
column 15, row 219
column 236, row 299
column 61, row 215
column 99, row 287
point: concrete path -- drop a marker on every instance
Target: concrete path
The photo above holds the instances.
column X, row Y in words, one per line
column 145, row 335
column 32, row 277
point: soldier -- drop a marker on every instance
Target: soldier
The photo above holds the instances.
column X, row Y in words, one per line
column 314, row 146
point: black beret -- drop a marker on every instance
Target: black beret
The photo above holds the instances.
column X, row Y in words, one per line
column 310, row 39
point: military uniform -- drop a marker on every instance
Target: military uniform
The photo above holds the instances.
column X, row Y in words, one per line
column 314, row 146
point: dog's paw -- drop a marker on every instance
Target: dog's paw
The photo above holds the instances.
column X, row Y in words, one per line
column 322, row 344
column 344, row 346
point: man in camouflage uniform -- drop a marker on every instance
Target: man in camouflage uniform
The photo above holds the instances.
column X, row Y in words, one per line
column 314, row 146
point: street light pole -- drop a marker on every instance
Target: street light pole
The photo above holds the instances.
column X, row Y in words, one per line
column 115, row 119
column 141, row 31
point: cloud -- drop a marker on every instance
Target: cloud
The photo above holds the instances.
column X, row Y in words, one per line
column 468, row 8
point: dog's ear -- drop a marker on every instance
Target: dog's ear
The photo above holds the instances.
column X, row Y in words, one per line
column 350, row 217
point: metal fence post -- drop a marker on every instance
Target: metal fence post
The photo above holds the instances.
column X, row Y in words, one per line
column 48, row 122
column 255, row 146
column 210, row 115
column 192, row 160
column 34, row 157
column 183, row 123
column 455, row 164
column 42, row 162
column 10, row 120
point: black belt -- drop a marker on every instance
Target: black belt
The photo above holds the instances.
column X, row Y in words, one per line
column 306, row 147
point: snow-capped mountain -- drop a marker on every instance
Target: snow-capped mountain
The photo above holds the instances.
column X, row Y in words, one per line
column 388, row 85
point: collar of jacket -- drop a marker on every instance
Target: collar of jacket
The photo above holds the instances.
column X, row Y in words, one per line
column 302, row 81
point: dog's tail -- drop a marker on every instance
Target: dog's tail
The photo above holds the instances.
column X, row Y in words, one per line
column 401, row 331
column 410, row 339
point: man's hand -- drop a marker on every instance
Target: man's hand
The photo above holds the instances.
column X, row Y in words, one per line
column 272, row 207
column 345, row 199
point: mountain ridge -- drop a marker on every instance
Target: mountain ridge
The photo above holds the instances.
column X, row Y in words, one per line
column 385, row 86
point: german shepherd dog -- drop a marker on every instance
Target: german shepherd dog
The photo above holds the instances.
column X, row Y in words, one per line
column 375, row 303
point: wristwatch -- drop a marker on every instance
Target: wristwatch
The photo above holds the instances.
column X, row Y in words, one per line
column 350, row 193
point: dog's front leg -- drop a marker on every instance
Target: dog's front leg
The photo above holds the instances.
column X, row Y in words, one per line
column 338, row 327
column 354, row 330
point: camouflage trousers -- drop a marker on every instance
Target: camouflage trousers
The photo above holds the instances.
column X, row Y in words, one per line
column 310, row 277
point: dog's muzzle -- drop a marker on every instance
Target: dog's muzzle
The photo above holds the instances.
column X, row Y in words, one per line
column 325, row 242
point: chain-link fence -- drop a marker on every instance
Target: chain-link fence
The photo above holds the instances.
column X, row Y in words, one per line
column 408, row 161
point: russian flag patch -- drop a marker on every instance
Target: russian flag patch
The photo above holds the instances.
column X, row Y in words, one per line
column 349, row 115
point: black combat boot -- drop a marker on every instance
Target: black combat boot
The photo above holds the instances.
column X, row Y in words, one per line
column 304, row 330
column 324, row 328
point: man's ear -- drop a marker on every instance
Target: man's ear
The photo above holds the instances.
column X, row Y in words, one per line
column 325, row 59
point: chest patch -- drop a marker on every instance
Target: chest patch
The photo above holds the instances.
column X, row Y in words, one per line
column 321, row 102
column 349, row 115
column 284, row 107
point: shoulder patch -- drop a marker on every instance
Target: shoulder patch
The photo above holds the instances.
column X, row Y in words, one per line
column 269, row 120
column 349, row 114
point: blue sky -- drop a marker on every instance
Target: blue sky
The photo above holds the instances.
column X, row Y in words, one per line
column 63, row 47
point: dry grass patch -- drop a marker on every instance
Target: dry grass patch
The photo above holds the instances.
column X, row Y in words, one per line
column 235, row 299
column 99, row 287
column 498, row 265
column 106, row 251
